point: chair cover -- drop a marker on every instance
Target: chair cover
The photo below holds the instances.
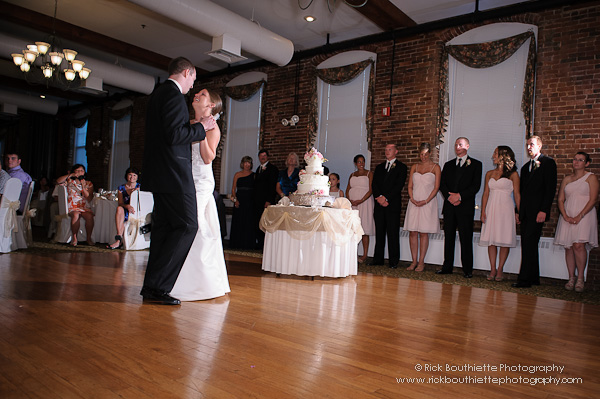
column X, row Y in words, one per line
column 143, row 202
column 8, row 213
column 63, row 230
column 22, row 237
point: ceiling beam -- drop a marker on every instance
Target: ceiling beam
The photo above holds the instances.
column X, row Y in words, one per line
column 383, row 13
column 23, row 86
column 44, row 23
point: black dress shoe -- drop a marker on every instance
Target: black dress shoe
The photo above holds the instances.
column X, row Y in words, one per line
column 159, row 297
column 521, row 284
column 468, row 275
column 442, row 271
column 393, row 266
column 375, row 263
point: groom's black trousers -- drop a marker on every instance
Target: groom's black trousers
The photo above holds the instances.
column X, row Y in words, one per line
column 174, row 227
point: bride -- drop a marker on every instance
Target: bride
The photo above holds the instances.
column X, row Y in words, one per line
column 204, row 275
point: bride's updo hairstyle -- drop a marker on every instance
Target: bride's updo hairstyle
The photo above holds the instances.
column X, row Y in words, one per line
column 215, row 98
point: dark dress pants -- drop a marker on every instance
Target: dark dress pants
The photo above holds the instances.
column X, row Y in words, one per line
column 464, row 223
column 531, row 231
column 174, row 227
column 387, row 224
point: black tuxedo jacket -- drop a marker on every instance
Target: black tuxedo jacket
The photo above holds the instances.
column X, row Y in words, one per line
column 265, row 183
column 537, row 188
column 465, row 180
column 389, row 184
column 167, row 166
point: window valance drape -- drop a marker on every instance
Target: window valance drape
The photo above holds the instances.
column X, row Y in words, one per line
column 243, row 93
column 339, row 76
column 485, row 55
column 121, row 113
column 78, row 120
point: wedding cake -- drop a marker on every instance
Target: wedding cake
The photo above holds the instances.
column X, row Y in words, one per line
column 313, row 187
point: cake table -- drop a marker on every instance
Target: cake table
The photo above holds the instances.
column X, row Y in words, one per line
column 310, row 241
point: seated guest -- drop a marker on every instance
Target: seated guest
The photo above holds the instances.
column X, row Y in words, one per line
column 289, row 178
column 125, row 208
column 13, row 166
column 577, row 228
column 334, row 185
column 243, row 234
column 79, row 196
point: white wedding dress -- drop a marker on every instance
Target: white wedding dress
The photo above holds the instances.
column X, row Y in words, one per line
column 203, row 275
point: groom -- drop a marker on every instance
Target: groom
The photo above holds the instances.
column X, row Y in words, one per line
column 167, row 172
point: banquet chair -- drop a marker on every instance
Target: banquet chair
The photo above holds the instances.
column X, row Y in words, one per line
column 143, row 202
column 8, row 213
column 22, row 236
column 63, row 228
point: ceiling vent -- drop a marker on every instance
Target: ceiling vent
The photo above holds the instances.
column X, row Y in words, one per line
column 91, row 85
column 226, row 48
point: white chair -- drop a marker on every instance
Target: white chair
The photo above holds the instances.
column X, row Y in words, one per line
column 143, row 202
column 8, row 213
column 22, row 236
column 63, row 228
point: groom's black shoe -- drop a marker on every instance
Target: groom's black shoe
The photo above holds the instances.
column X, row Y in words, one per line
column 155, row 296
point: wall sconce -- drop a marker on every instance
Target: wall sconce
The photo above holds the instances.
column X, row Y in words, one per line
column 292, row 122
column 97, row 143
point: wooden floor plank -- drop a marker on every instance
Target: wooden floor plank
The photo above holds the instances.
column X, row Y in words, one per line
column 74, row 326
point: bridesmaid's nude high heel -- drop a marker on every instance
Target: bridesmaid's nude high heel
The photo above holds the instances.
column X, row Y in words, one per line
column 571, row 284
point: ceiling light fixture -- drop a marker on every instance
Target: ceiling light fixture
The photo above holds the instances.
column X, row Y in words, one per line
column 309, row 18
column 331, row 4
column 48, row 57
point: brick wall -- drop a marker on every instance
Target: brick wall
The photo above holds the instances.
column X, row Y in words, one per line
column 567, row 106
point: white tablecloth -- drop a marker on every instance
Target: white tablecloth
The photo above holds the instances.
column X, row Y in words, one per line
column 105, row 227
column 308, row 241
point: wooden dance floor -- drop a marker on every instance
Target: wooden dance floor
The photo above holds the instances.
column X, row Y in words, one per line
column 74, row 326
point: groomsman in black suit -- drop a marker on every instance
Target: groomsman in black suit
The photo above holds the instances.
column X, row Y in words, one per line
column 167, row 170
column 265, row 190
column 388, row 182
column 460, row 182
column 538, row 186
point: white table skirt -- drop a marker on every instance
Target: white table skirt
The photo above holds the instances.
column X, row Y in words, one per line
column 105, row 227
column 316, row 256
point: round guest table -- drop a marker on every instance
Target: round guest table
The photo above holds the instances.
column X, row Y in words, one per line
column 310, row 241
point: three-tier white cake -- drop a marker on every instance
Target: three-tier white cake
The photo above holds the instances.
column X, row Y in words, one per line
column 313, row 187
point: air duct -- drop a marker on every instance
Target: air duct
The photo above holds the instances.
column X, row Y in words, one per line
column 110, row 74
column 29, row 102
column 215, row 21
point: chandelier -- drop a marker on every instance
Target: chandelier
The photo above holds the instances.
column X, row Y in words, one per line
column 49, row 57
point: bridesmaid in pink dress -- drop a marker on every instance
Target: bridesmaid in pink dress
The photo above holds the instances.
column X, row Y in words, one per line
column 360, row 194
column 577, row 224
column 498, row 215
column 422, row 212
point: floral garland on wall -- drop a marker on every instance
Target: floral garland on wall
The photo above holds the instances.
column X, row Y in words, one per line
column 485, row 55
